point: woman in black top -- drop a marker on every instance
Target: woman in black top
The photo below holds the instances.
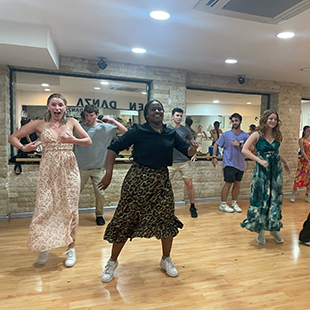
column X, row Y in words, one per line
column 146, row 207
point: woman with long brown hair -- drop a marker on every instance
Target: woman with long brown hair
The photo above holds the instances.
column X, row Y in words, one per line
column 55, row 218
column 266, row 186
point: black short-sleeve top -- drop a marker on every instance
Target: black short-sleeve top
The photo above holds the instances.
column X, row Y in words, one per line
column 150, row 148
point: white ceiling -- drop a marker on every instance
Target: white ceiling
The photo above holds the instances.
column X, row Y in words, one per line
column 190, row 39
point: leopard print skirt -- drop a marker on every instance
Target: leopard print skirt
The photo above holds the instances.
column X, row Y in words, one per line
column 146, row 207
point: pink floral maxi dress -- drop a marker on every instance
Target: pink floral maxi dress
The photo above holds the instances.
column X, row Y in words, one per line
column 55, row 219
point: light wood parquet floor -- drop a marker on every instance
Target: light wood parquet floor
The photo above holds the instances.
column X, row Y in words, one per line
column 220, row 267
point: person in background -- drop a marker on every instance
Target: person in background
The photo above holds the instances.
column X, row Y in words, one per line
column 252, row 128
column 55, row 219
column 146, row 206
column 216, row 132
column 265, row 211
column 302, row 178
column 200, row 136
column 91, row 159
column 82, row 118
column 233, row 162
column 28, row 139
column 181, row 162
column 188, row 124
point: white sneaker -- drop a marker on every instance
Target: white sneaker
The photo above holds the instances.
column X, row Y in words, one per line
column 226, row 208
column 293, row 197
column 71, row 259
column 307, row 198
column 236, row 207
column 168, row 266
column 42, row 258
column 277, row 236
column 261, row 237
column 108, row 272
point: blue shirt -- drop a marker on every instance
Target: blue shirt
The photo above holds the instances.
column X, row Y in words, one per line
column 232, row 155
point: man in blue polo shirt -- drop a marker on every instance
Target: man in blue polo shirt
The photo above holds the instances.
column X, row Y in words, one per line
column 233, row 162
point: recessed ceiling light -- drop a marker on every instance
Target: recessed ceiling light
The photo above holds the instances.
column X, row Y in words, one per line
column 285, row 35
column 249, row 102
column 138, row 50
column 144, row 93
column 104, row 83
column 45, row 85
column 216, row 101
column 161, row 15
column 231, row 61
column 97, row 88
column 47, row 89
column 305, row 69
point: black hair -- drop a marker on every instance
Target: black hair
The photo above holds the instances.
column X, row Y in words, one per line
column 146, row 107
column 252, row 127
column 100, row 117
column 304, row 129
column 236, row 115
column 90, row 108
column 188, row 121
column 179, row 110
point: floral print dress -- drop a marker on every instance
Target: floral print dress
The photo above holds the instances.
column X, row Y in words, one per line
column 302, row 178
column 55, row 218
column 266, row 190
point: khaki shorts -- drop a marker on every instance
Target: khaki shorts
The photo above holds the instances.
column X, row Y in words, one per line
column 184, row 168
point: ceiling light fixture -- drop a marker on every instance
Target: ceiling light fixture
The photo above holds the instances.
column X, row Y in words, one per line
column 285, row 35
column 160, row 15
column 45, row 85
column 231, row 61
column 97, row 88
column 139, row 50
column 104, row 83
column 249, row 102
column 47, row 89
column 144, row 93
column 216, row 101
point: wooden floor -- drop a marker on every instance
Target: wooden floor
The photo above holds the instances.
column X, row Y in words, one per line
column 220, row 267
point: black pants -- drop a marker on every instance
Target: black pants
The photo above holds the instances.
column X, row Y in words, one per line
column 304, row 235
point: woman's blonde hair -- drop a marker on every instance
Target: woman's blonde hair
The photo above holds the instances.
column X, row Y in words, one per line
column 48, row 116
column 262, row 128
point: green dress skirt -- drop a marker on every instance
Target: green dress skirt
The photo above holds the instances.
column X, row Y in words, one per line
column 266, row 190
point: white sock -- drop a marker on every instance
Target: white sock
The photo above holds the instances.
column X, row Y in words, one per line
column 233, row 202
column 223, row 202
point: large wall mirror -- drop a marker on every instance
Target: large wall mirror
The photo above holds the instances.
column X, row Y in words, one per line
column 206, row 107
column 121, row 99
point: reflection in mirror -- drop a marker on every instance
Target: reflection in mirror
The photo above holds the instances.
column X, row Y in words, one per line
column 207, row 107
column 121, row 100
column 117, row 99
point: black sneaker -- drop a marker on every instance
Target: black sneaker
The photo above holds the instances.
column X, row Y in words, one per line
column 193, row 211
column 100, row 221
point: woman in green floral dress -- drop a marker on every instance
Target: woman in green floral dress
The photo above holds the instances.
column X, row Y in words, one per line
column 266, row 186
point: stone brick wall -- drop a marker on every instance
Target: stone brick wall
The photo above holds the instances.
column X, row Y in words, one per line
column 169, row 86
column 4, row 146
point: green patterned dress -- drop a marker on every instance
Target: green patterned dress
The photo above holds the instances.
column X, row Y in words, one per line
column 266, row 190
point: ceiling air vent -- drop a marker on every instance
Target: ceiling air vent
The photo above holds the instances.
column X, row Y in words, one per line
column 263, row 11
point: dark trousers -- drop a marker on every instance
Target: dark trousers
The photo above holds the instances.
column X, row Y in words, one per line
column 304, row 235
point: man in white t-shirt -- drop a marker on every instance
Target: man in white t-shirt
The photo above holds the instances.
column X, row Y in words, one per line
column 180, row 162
column 91, row 159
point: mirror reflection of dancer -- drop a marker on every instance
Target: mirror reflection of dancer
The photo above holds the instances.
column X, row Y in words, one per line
column 146, row 206
column 216, row 132
column 302, row 178
column 266, row 186
column 55, row 218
